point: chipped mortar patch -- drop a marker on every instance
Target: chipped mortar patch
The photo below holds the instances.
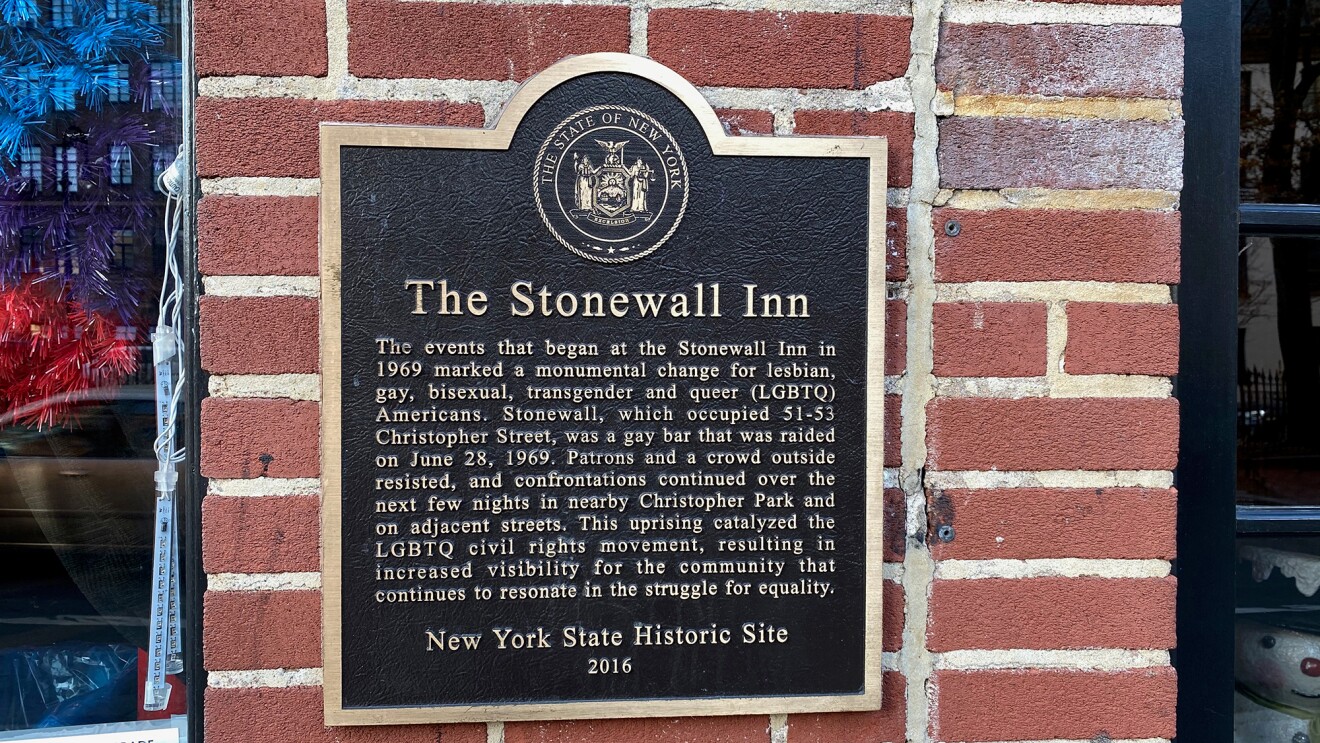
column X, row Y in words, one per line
column 258, row 186
column 273, row 678
column 1047, row 198
column 1020, row 12
column 292, row 386
column 263, row 582
column 1050, row 291
column 1080, row 660
column 262, row 286
column 1052, row 479
column 263, row 486
column 1066, row 567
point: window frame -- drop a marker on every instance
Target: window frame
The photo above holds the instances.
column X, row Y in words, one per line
column 1206, row 383
column 67, row 161
column 121, row 165
column 193, row 485
column 1209, row 519
column 120, row 73
column 62, row 13
column 32, row 165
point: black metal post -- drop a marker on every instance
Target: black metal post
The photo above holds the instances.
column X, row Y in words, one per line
column 1207, row 300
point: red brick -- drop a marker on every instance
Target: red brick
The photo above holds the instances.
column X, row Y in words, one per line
column 767, row 49
column 258, row 335
column 893, row 611
column 1052, row 614
column 281, row 136
column 296, row 714
column 898, row 127
column 991, row 153
column 895, row 538
column 1061, row 60
column 1121, row 339
column 886, row 725
column 472, row 41
column 895, row 244
column 1052, row 434
column 260, row 438
column 989, row 339
column 893, row 430
column 245, row 630
column 257, row 235
column 895, row 337
column 1031, row 523
column 1057, row 245
column 742, row 729
column 746, row 120
column 250, row 37
column 1052, row 705
column 261, row 535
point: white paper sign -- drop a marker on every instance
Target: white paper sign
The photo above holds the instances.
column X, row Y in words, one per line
column 153, row 735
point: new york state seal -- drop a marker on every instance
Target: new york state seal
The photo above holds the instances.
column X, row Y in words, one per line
column 611, row 184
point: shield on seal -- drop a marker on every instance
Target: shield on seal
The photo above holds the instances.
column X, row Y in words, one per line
column 613, row 181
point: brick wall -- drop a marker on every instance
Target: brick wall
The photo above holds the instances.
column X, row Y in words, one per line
column 1035, row 168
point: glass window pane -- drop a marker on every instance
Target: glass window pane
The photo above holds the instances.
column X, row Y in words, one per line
column 1279, row 371
column 62, row 12
column 1280, row 110
column 81, row 243
column 31, row 166
column 1277, row 648
column 118, row 86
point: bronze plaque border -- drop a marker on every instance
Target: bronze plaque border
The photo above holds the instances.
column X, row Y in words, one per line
column 335, row 136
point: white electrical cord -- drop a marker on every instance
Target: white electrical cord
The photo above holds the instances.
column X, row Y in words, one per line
column 170, row 320
column 165, row 651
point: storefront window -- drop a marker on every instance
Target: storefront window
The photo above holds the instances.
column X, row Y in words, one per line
column 1277, row 666
column 90, row 95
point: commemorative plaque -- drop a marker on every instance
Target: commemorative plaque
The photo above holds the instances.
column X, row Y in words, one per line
column 601, row 411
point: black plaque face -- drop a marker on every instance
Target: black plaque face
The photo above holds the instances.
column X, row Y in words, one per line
column 601, row 416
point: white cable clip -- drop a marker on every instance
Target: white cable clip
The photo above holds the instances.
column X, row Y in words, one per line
column 164, row 344
column 167, row 479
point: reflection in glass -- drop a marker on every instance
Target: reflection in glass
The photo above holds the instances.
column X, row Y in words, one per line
column 1280, row 114
column 1279, row 277
column 90, row 95
column 1279, row 372
column 1277, row 648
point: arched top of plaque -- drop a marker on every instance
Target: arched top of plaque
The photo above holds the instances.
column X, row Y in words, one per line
column 531, row 91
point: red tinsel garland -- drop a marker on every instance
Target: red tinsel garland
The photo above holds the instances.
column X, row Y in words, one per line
column 52, row 350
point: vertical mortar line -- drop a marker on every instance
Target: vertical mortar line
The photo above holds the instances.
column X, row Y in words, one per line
column 336, row 31
column 494, row 732
column 1056, row 339
column 637, row 26
column 785, row 118
column 778, row 728
column 915, row 661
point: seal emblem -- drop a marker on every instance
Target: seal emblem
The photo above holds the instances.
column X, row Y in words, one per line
column 611, row 184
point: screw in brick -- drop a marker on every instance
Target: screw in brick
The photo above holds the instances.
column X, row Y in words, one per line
column 952, row 228
column 945, row 533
